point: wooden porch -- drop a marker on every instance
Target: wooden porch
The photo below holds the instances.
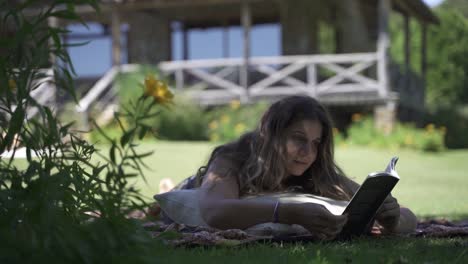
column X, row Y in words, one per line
column 354, row 70
column 352, row 78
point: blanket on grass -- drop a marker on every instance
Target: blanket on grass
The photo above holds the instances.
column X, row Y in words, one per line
column 181, row 235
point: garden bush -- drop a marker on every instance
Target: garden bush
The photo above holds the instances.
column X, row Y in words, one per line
column 229, row 122
column 184, row 121
column 456, row 123
column 60, row 206
column 363, row 132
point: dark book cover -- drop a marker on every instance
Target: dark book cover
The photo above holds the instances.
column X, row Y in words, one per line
column 367, row 200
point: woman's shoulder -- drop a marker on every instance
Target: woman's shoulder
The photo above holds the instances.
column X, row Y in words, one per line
column 241, row 146
column 234, row 154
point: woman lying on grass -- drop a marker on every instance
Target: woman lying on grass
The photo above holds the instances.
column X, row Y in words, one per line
column 292, row 148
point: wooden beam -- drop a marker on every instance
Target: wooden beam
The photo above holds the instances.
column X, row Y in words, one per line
column 312, row 79
column 217, row 81
column 407, row 43
column 423, row 51
column 86, row 36
column 268, row 70
column 277, row 76
column 185, row 43
column 116, row 43
column 246, row 21
column 331, row 58
column 52, row 23
column 350, row 73
column 383, row 43
column 221, row 74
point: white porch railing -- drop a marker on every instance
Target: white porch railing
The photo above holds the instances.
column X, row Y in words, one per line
column 217, row 81
column 103, row 89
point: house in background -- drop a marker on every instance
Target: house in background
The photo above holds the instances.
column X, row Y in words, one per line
column 336, row 51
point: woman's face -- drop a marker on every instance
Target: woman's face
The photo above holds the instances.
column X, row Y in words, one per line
column 302, row 142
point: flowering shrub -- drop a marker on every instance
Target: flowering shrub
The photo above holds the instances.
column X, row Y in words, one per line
column 363, row 132
column 187, row 121
column 60, row 206
column 229, row 122
column 158, row 90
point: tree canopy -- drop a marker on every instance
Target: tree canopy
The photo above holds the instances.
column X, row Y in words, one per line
column 447, row 56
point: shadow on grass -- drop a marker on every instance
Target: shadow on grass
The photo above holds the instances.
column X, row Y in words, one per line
column 364, row 250
column 451, row 217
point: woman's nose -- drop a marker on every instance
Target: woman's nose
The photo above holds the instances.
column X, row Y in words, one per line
column 305, row 150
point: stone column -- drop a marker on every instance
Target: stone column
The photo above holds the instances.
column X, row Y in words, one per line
column 385, row 116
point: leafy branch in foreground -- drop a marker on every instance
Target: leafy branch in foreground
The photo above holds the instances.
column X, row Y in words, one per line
column 49, row 206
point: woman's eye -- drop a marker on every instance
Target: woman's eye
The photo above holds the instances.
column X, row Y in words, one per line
column 299, row 139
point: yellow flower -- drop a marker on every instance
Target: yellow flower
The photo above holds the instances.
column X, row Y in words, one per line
column 356, row 117
column 235, row 104
column 430, row 127
column 213, row 125
column 158, row 90
column 409, row 140
column 11, row 84
column 240, row 128
column 214, row 137
column 225, row 119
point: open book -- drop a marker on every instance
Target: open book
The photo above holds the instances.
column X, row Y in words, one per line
column 367, row 200
column 365, row 203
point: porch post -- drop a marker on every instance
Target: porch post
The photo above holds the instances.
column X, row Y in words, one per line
column 53, row 23
column 423, row 51
column 246, row 24
column 384, row 115
column 116, row 44
column 423, row 60
column 185, row 43
column 407, row 43
column 383, row 43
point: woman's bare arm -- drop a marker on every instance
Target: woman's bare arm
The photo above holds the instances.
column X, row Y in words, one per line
column 221, row 208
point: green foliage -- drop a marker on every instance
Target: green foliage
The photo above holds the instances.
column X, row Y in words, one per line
column 447, row 77
column 182, row 121
column 48, row 208
column 459, row 5
column 185, row 121
column 363, row 132
column 338, row 137
column 456, row 123
column 229, row 122
column 447, row 69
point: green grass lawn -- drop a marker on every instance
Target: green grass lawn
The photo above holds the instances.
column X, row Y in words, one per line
column 432, row 184
column 375, row 250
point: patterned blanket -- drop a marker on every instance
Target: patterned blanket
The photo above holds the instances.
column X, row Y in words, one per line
column 181, row 235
